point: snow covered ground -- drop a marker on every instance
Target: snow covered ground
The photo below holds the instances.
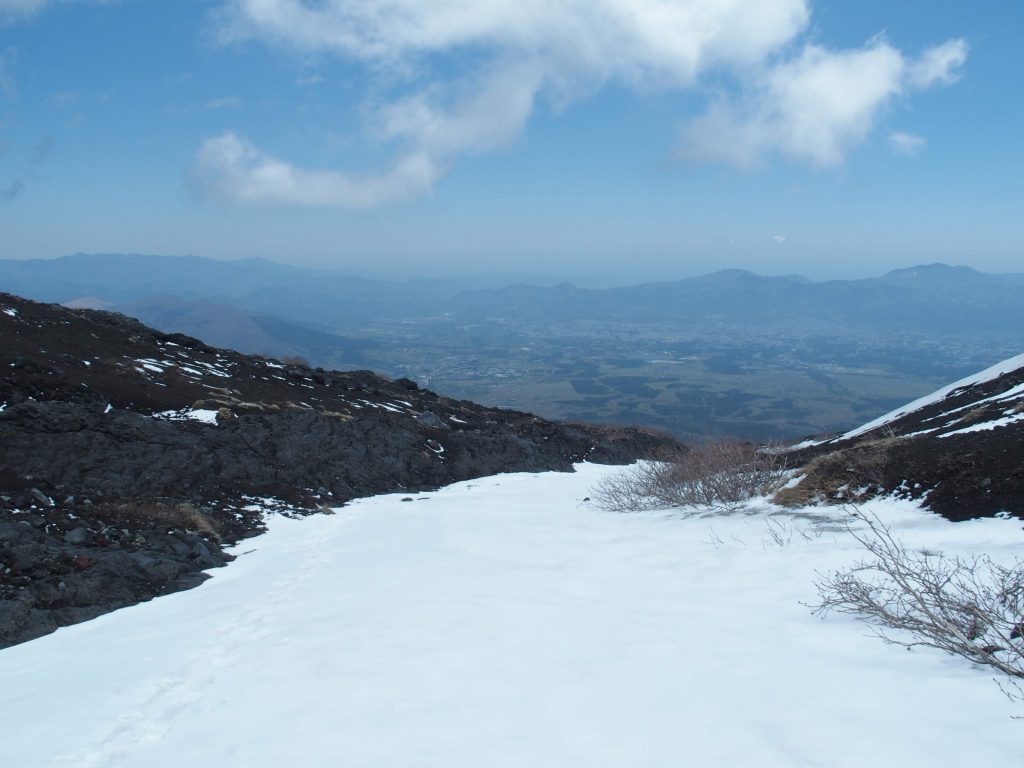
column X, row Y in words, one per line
column 506, row 622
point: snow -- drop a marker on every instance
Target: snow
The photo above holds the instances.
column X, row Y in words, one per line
column 11, row 312
column 987, row 425
column 189, row 414
column 506, row 622
column 803, row 444
column 997, row 370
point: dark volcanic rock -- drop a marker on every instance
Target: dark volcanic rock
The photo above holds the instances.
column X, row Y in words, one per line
column 158, row 440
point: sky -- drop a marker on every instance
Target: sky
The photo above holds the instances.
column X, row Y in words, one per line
column 590, row 140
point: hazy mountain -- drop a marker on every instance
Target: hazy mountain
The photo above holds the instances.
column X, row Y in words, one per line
column 930, row 299
column 731, row 352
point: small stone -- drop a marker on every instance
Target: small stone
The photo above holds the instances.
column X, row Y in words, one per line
column 41, row 497
column 78, row 536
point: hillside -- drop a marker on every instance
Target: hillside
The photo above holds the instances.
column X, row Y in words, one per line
column 959, row 450
column 128, row 456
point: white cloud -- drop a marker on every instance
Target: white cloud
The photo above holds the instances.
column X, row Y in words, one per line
column 814, row 108
column 804, row 101
column 939, row 65
column 232, row 168
column 780, row 239
column 906, row 143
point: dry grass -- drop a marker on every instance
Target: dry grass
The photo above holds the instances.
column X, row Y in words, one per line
column 160, row 513
column 974, row 415
column 842, row 476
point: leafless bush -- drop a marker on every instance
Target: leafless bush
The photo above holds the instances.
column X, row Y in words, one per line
column 973, row 608
column 720, row 474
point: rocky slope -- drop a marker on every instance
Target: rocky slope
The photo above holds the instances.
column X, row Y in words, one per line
column 960, row 449
column 128, row 456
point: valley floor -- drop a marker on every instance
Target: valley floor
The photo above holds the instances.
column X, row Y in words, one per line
column 507, row 622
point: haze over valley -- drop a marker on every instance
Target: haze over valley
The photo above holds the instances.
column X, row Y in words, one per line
column 730, row 353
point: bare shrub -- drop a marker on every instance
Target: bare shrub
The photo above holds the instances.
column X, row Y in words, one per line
column 720, row 474
column 973, row 608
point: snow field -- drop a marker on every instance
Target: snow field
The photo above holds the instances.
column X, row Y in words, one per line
column 505, row 622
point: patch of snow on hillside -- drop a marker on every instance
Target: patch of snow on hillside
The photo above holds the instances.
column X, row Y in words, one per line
column 988, row 425
column 150, row 365
column 803, row 444
column 11, row 312
column 189, row 414
column 997, row 370
column 509, row 623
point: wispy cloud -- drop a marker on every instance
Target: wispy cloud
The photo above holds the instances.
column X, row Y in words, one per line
column 65, row 98
column 906, row 143
column 12, row 191
column 7, row 61
column 803, row 101
column 12, row 11
column 223, row 102
column 41, row 151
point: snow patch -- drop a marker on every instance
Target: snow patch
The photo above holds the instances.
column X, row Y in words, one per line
column 188, row 414
column 10, row 312
column 987, row 425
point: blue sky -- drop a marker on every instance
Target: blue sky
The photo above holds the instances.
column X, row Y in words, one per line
column 599, row 141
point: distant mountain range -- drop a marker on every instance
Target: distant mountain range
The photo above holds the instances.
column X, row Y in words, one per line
column 932, row 298
column 929, row 298
column 729, row 352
